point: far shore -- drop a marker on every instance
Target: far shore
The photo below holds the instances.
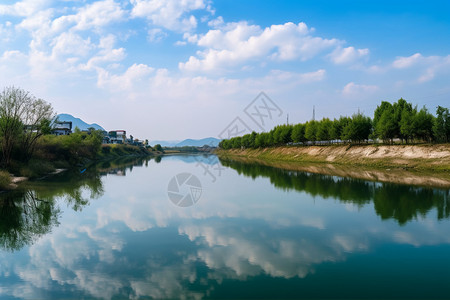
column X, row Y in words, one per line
column 423, row 165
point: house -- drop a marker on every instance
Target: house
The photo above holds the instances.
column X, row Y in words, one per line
column 62, row 128
column 117, row 136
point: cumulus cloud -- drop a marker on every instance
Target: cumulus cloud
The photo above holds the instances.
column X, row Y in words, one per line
column 156, row 35
column 23, row 8
column 95, row 15
column 171, row 14
column 426, row 66
column 347, row 55
column 237, row 43
column 353, row 89
column 406, row 62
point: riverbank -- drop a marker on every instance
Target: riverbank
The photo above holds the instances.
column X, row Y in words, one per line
column 417, row 157
column 51, row 163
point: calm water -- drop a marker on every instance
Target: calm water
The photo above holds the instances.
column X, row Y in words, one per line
column 255, row 232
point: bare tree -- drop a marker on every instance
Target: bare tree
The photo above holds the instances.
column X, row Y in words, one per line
column 23, row 118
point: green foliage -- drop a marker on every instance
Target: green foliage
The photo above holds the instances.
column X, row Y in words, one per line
column 423, row 123
column 441, row 125
column 399, row 120
column 324, row 130
column 36, row 168
column 5, row 180
column 298, row 133
column 158, row 147
column 386, row 127
column 358, row 129
column 23, row 119
column 311, row 131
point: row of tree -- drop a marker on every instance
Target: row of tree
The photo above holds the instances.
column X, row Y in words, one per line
column 399, row 120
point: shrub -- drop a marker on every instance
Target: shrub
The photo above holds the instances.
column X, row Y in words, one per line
column 5, row 180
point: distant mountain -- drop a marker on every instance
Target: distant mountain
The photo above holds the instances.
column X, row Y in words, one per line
column 77, row 122
column 213, row 142
column 164, row 143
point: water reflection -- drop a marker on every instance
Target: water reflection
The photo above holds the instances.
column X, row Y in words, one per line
column 391, row 201
column 24, row 217
column 30, row 212
column 248, row 241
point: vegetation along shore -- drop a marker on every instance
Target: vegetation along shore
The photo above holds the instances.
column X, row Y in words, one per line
column 30, row 149
column 399, row 135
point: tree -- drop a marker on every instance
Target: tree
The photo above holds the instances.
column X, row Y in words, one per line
column 423, row 123
column 399, row 107
column 407, row 128
column 386, row 127
column 379, row 111
column 324, row 129
column 441, row 125
column 23, row 119
column 358, row 129
column 298, row 133
column 311, row 131
column 158, row 148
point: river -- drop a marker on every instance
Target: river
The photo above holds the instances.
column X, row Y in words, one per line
column 196, row 227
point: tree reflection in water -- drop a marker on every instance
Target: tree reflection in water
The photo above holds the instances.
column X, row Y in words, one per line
column 391, row 201
column 31, row 212
column 24, row 217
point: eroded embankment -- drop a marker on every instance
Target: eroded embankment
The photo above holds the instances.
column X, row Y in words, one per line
column 418, row 165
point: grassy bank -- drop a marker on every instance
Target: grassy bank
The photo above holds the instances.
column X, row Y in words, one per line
column 66, row 152
column 418, row 157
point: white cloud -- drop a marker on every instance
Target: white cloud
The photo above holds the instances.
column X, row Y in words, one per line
column 23, row 8
column 353, row 89
column 347, row 55
column 171, row 14
column 237, row 43
column 406, row 62
column 156, row 35
column 95, row 15
column 126, row 81
column 426, row 66
column 216, row 22
column 69, row 43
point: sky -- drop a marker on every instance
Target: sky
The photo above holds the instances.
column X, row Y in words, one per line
column 170, row 70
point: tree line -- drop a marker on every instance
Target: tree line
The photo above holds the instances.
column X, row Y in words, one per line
column 391, row 121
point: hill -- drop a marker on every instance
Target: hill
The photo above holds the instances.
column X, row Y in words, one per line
column 212, row 142
column 77, row 122
column 164, row 143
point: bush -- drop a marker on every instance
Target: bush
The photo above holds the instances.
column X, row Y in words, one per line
column 5, row 180
column 36, row 168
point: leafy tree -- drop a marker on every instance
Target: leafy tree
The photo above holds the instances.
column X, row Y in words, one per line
column 158, row 148
column 379, row 111
column 441, row 126
column 358, row 129
column 407, row 124
column 298, row 133
column 23, row 119
column 311, row 131
column 324, row 130
column 399, row 107
column 423, row 123
column 386, row 127
column 282, row 134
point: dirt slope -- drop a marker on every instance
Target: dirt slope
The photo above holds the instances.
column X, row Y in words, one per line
column 426, row 157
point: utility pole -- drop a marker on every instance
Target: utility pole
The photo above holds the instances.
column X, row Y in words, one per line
column 314, row 112
column 287, row 119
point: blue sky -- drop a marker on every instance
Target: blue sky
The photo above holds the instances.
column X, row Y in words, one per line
column 185, row 69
